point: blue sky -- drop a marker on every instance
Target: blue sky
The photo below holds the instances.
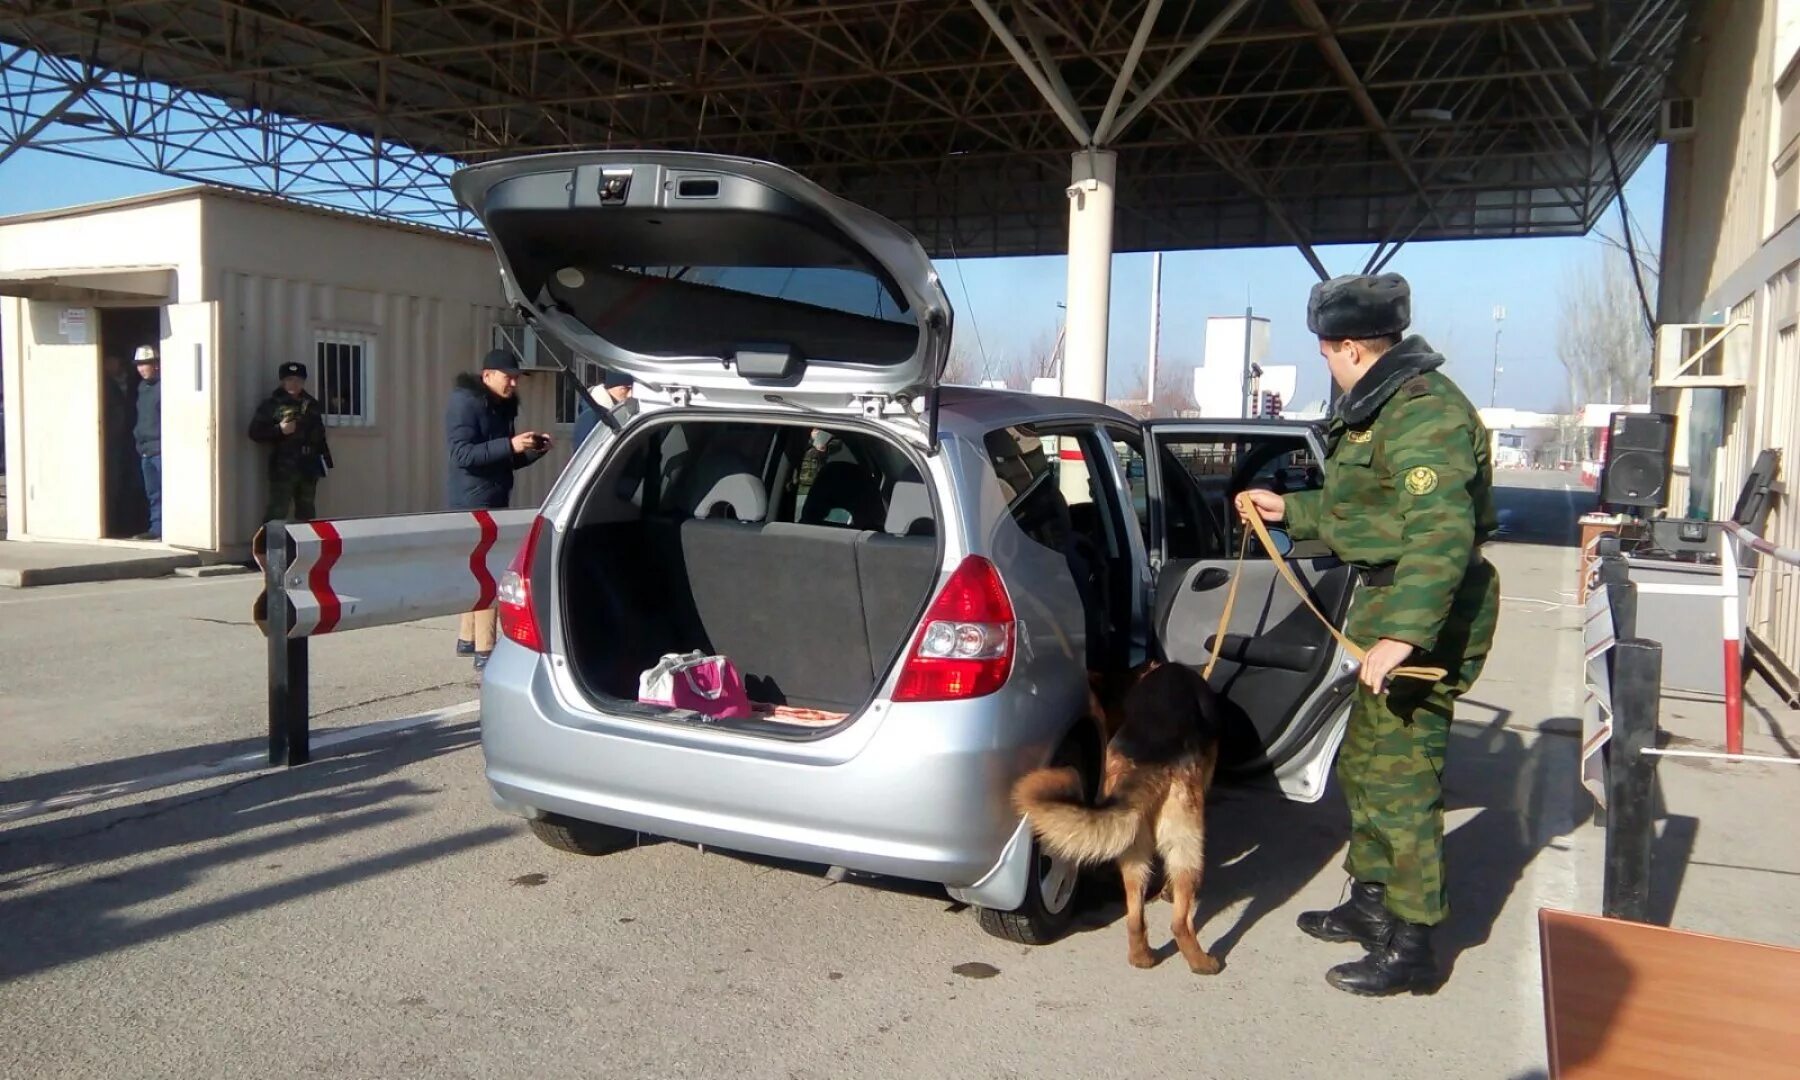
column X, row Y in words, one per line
column 1008, row 304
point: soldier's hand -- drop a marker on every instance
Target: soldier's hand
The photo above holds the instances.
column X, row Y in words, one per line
column 1269, row 506
column 1387, row 655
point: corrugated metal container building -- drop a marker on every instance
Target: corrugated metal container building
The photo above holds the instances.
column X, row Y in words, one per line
column 228, row 286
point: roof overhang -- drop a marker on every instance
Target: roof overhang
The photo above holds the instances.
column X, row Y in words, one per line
column 152, row 286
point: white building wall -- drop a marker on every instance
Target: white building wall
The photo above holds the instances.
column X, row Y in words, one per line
column 158, row 235
column 277, row 276
column 1731, row 245
column 425, row 303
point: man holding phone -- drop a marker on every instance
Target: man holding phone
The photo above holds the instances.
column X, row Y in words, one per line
column 484, row 452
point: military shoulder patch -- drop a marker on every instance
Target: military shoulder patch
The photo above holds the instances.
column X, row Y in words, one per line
column 1421, row 481
column 1362, row 436
column 1417, row 387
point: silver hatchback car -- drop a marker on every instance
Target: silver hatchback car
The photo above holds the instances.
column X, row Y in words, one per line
column 914, row 579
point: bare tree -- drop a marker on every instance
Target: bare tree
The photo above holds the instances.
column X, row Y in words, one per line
column 1041, row 357
column 1600, row 336
column 964, row 368
column 1173, row 394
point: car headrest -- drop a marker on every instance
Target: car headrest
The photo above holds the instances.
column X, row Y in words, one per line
column 842, row 494
column 909, row 510
column 697, row 490
column 740, row 496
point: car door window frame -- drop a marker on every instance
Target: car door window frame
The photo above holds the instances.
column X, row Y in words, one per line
column 1159, row 432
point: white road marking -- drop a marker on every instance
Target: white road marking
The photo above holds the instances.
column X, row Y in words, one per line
column 1534, row 600
column 241, row 763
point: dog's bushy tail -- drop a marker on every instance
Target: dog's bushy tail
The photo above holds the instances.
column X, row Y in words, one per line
column 1067, row 826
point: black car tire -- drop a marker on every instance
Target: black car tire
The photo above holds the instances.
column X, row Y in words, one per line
column 1034, row 922
column 581, row 837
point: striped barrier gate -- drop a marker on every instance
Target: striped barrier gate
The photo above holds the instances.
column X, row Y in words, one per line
column 326, row 577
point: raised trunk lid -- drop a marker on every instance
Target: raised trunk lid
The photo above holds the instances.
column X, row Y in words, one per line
column 722, row 280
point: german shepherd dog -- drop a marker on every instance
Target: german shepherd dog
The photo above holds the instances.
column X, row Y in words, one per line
column 1159, row 764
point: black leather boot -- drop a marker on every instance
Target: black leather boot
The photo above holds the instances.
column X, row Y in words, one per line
column 1403, row 963
column 1363, row 918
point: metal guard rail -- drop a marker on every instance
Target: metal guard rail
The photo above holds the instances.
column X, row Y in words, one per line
column 324, row 577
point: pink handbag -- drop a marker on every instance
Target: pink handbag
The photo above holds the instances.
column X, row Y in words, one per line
column 709, row 685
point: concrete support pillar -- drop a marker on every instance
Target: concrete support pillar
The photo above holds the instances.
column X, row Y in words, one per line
column 1090, row 274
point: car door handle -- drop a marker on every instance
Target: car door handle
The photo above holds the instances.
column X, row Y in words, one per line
column 1211, row 578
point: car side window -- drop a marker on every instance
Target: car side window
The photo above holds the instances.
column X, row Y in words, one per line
column 1130, row 452
column 1027, row 464
column 1221, row 466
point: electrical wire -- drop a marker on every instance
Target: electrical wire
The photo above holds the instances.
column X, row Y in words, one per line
column 974, row 323
column 1637, row 273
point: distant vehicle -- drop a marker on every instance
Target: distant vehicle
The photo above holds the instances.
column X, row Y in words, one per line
column 915, row 601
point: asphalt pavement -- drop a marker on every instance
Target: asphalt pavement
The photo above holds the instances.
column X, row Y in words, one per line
column 371, row 915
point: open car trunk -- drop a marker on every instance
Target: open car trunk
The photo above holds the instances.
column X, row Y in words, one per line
column 809, row 567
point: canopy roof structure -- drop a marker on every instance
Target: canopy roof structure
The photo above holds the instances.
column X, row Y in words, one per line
column 1236, row 122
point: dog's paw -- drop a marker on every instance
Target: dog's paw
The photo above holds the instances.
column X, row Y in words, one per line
column 1204, row 964
column 1143, row 959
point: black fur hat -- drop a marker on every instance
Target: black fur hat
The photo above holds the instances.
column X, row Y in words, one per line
column 1359, row 306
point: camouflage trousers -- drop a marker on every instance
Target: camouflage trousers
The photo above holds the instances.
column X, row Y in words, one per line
column 291, row 488
column 1391, row 765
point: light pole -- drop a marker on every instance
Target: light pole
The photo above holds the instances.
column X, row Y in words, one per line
column 1494, row 383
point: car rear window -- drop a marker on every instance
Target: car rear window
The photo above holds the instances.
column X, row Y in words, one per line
column 709, row 284
column 841, row 478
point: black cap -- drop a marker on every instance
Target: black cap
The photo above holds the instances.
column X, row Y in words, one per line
column 291, row 368
column 500, row 360
column 1359, row 306
column 615, row 379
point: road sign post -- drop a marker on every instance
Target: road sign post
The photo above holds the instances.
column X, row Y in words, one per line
column 289, row 705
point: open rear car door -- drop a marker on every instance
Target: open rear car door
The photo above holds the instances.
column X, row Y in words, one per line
column 1278, row 662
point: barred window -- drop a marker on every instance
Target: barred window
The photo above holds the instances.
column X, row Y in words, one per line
column 343, row 380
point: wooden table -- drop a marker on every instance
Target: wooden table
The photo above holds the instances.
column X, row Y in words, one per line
column 1624, row 999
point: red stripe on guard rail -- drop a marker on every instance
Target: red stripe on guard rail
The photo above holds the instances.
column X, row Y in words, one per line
column 484, row 581
column 331, row 548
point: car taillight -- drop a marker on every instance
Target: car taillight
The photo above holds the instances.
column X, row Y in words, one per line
column 512, row 597
column 965, row 647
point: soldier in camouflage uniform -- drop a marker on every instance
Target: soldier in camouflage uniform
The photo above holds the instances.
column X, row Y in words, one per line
column 1408, row 500
column 291, row 423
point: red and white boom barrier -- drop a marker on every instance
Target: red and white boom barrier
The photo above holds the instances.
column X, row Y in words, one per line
column 324, row 577
column 360, row 572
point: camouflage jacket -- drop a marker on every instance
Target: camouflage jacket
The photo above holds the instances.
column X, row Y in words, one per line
column 306, row 450
column 1408, row 483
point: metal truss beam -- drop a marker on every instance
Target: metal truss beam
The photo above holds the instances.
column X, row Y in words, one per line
column 1235, row 123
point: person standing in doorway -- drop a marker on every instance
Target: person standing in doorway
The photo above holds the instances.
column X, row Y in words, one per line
column 484, row 452
column 1407, row 501
column 292, row 425
column 124, row 479
column 147, row 433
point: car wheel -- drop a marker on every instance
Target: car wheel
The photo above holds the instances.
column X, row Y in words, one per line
column 581, row 837
column 1051, row 891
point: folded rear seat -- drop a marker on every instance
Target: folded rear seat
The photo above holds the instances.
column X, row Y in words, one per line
column 811, row 614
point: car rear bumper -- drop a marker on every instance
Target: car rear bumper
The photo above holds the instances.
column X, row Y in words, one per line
column 924, row 795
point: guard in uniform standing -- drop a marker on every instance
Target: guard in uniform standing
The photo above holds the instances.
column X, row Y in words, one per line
column 1407, row 500
column 291, row 423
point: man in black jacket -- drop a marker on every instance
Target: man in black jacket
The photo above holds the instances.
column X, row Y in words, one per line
column 148, row 435
column 291, row 424
column 484, row 452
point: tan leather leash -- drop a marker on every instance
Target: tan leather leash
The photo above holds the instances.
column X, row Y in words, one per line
column 1248, row 511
